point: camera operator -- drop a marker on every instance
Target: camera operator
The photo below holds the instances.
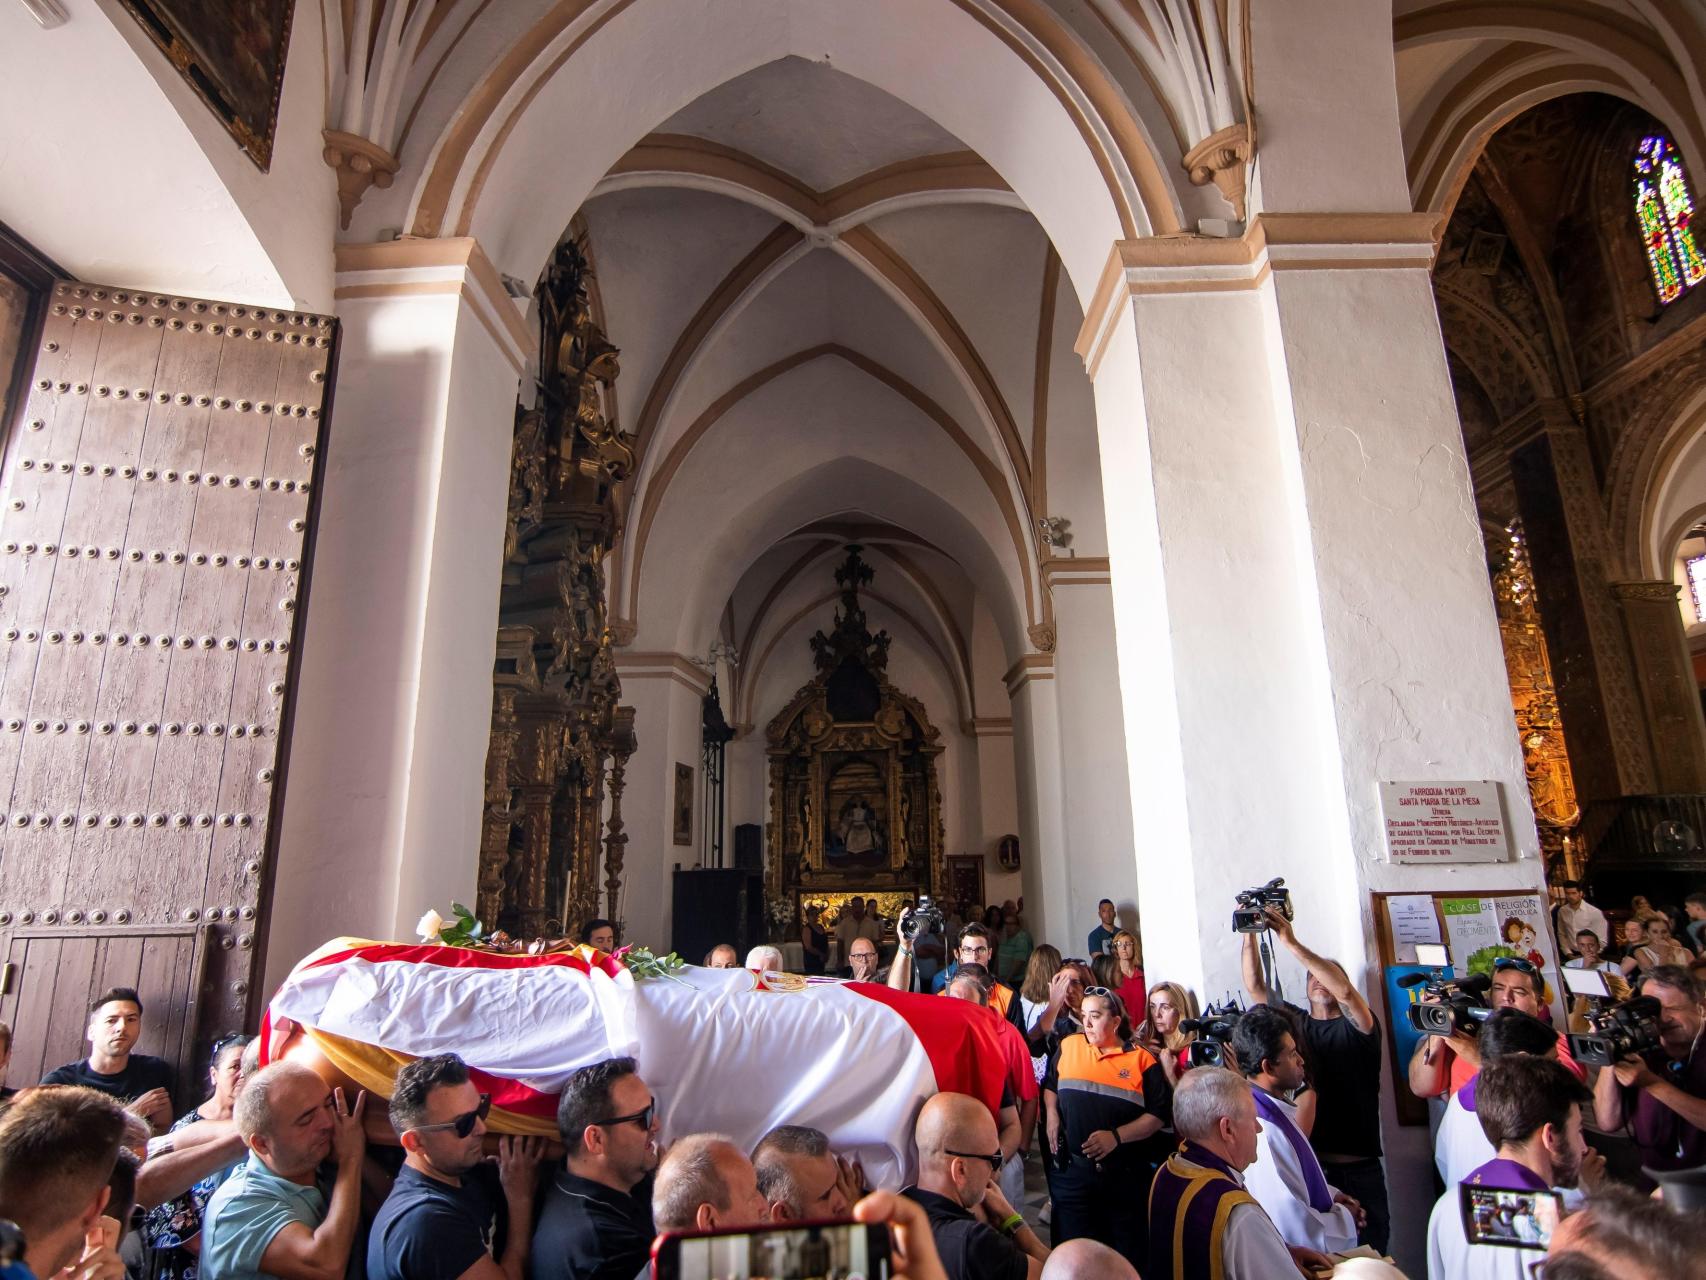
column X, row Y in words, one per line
column 1662, row 1094
column 1340, row 1039
column 1444, row 1064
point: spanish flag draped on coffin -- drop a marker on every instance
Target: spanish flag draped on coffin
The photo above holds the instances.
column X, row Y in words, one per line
column 723, row 1050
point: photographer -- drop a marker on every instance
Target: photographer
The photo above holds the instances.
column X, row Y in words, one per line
column 1662, row 1093
column 1340, row 1039
column 1444, row 1064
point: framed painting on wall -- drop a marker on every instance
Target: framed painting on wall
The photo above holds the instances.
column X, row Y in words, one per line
column 232, row 53
column 683, row 804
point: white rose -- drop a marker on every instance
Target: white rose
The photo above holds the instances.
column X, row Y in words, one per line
column 429, row 927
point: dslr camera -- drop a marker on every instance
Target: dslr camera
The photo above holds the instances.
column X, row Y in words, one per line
column 1460, row 1008
column 1250, row 915
column 1213, row 1030
column 926, row 917
column 1625, row 1030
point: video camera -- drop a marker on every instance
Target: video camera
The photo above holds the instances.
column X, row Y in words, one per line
column 1250, row 915
column 1460, row 1008
column 1620, row 1031
column 1213, row 1030
column 926, row 917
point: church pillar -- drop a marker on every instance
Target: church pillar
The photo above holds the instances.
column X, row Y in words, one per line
column 382, row 818
column 1043, row 845
column 1557, row 494
column 1096, row 794
column 667, row 693
column 1668, row 691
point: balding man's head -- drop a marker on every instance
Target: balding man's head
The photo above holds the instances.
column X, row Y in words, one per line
column 1085, row 1259
column 953, row 1133
column 862, row 959
column 706, row 1183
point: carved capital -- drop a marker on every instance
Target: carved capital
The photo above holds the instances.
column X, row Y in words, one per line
column 1221, row 158
column 1042, row 636
column 359, row 164
column 622, row 632
column 1661, row 591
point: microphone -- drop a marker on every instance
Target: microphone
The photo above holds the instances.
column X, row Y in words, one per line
column 1412, row 979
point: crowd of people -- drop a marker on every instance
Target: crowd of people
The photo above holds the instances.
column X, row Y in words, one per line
column 1234, row 1143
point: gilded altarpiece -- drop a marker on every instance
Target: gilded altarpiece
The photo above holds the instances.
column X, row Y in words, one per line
column 560, row 741
column 1540, row 728
column 854, row 799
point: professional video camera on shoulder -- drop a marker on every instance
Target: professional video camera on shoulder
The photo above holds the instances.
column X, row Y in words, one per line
column 1251, row 916
column 1451, row 1006
column 1626, row 1029
column 1213, row 1030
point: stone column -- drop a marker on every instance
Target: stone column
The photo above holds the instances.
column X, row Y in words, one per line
column 382, row 814
column 1042, row 826
column 1668, row 691
column 1605, row 730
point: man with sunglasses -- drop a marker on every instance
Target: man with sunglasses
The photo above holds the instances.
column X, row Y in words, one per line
column 594, row 1226
column 1441, row 1065
column 977, row 1231
column 441, row 1219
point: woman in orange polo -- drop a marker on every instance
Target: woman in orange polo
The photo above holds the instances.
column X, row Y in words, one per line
column 1103, row 1094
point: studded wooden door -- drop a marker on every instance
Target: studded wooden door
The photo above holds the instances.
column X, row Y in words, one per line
column 155, row 508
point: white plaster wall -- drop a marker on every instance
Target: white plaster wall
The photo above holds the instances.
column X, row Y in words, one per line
column 998, row 816
column 667, row 724
column 384, row 789
column 1042, row 829
column 1677, row 497
column 1073, row 471
column 113, row 167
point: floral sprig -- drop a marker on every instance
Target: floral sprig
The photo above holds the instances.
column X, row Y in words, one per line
column 643, row 963
column 465, row 930
column 461, row 931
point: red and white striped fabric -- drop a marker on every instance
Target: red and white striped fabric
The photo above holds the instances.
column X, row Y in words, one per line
column 721, row 1050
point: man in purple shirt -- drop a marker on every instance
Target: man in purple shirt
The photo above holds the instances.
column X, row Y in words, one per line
column 1663, row 1093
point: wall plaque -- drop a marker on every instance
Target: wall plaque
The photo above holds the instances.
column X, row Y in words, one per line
column 1443, row 822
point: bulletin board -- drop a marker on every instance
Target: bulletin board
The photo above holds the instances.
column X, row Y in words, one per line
column 1476, row 929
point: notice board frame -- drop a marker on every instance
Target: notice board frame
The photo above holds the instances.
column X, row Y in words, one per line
column 1411, row 1109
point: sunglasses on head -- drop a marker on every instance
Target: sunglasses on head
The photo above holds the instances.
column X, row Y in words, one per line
column 462, row 1124
column 1097, row 991
column 641, row 1118
column 1515, row 962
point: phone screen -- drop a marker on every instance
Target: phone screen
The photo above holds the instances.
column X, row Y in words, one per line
column 1517, row 1219
column 1586, row 982
column 796, row 1251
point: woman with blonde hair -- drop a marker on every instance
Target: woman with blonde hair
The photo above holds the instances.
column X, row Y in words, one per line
column 1169, row 1005
column 1128, row 982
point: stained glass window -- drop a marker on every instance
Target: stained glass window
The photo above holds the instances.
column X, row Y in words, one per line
column 1665, row 211
column 1697, row 584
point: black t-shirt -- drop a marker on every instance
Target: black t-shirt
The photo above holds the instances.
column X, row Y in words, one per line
column 1344, row 1068
column 587, row 1231
column 970, row 1249
column 429, row 1230
column 140, row 1075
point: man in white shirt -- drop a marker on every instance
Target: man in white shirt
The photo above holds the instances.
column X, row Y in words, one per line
column 1287, row 1178
column 1590, row 954
column 854, row 924
column 1215, row 1115
column 1576, row 913
column 1461, row 1144
column 1531, row 1109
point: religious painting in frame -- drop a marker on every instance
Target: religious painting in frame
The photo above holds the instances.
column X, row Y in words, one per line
column 232, row 53
column 683, row 808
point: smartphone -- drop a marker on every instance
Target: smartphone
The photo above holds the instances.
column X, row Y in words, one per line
column 793, row 1251
column 1515, row 1219
column 1586, row 982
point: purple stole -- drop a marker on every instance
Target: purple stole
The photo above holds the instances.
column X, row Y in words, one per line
column 1507, row 1174
column 1314, row 1180
column 1466, row 1095
column 1190, row 1208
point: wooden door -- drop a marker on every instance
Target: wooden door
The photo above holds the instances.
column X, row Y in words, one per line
column 155, row 504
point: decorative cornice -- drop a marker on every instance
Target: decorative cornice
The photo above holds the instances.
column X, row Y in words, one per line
column 988, row 727
column 452, row 265
column 1662, row 591
column 1033, row 666
column 1187, row 264
column 663, row 666
column 359, row 164
column 1221, row 158
column 1077, row 571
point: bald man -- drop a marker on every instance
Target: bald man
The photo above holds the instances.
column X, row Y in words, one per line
column 706, row 1183
column 977, row 1232
column 862, row 961
column 1086, row 1259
